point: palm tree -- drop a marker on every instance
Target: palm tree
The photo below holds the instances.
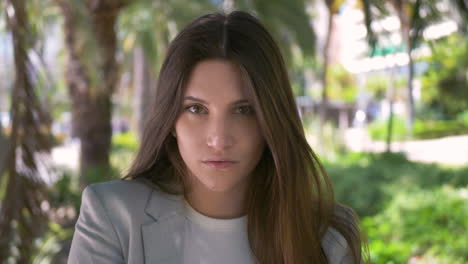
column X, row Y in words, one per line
column 370, row 9
column 415, row 16
column 147, row 28
column 332, row 7
column 92, row 73
column 288, row 22
column 3, row 150
column 22, row 219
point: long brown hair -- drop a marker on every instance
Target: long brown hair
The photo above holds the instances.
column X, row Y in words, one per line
column 290, row 200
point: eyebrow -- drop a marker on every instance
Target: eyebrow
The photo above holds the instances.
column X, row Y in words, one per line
column 205, row 102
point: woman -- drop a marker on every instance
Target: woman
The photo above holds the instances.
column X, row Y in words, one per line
column 224, row 173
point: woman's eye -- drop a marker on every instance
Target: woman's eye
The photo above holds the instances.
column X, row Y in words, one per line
column 195, row 109
column 244, row 110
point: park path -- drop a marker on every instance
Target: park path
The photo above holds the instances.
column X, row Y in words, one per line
column 67, row 155
column 452, row 151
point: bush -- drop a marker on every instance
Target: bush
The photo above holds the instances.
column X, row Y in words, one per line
column 378, row 129
column 367, row 182
column 421, row 129
column 65, row 192
column 445, row 81
column 126, row 141
column 438, row 129
column 124, row 147
column 463, row 117
column 421, row 224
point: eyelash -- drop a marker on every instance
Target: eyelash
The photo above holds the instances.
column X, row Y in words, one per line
column 250, row 109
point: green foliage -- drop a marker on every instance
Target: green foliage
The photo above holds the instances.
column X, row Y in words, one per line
column 422, row 129
column 124, row 147
column 367, row 182
column 437, row 129
column 463, row 117
column 444, row 84
column 151, row 26
column 378, row 130
column 421, row 223
column 325, row 138
column 99, row 174
column 65, row 191
column 3, row 185
column 377, row 85
column 125, row 141
column 288, row 22
column 341, row 84
column 51, row 243
column 408, row 209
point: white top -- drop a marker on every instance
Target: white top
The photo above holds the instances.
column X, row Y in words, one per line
column 210, row 240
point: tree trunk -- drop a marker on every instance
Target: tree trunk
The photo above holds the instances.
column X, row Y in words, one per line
column 91, row 98
column 410, row 103
column 326, row 61
column 390, row 96
column 142, row 83
column 401, row 7
column 4, row 147
column 21, row 217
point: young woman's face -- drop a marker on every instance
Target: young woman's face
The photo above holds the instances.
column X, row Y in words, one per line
column 217, row 132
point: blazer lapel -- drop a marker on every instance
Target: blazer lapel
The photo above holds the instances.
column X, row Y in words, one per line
column 163, row 237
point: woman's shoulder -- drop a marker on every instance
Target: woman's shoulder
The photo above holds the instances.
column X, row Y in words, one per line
column 334, row 245
column 117, row 189
column 120, row 187
column 120, row 197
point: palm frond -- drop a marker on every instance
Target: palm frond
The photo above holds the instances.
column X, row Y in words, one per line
column 288, row 22
column 461, row 8
column 372, row 10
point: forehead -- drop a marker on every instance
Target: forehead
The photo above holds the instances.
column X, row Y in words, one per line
column 216, row 79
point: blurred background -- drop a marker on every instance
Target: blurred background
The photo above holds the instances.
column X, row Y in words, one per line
column 381, row 86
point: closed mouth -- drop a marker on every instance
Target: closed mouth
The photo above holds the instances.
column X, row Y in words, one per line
column 220, row 164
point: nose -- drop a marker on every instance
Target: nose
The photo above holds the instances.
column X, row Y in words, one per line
column 220, row 135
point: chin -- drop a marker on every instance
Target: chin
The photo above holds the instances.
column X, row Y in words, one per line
column 218, row 188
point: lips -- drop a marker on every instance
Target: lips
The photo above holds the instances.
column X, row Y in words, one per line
column 220, row 164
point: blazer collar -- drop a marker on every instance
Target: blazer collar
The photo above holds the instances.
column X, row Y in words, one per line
column 161, row 205
column 163, row 237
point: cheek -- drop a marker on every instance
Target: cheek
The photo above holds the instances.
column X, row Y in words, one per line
column 187, row 128
column 186, row 142
column 252, row 139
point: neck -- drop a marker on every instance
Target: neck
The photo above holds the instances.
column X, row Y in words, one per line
column 217, row 204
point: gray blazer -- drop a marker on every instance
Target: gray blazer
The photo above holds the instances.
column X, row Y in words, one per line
column 132, row 222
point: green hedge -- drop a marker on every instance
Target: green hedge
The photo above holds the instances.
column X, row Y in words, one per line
column 437, row 129
column 124, row 148
column 421, row 129
column 421, row 224
column 367, row 182
column 408, row 209
column 124, row 141
column 378, row 129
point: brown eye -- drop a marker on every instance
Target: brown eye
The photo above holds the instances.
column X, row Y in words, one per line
column 244, row 110
column 194, row 109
